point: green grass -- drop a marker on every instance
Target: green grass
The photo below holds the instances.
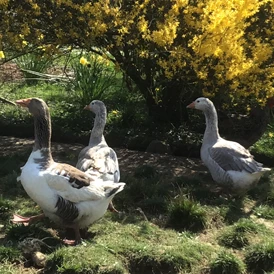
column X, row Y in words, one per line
column 168, row 225
column 241, row 234
column 180, row 225
column 265, row 211
column 226, row 263
column 186, row 214
column 260, row 258
column 266, row 143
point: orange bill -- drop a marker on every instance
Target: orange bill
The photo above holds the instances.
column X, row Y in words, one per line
column 192, row 105
column 23, row 102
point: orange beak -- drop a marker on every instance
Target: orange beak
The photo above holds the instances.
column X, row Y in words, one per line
column 87, row 107
column 192, row 105
column 23, row 102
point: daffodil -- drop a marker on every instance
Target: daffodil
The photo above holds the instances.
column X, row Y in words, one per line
column 2, row 55
column 270, row 134
column 83, row 61
column 115, row 112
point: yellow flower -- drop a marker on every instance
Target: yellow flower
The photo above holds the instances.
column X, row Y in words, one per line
column 83, row 61
column 115, row 112
column 270, row 134
column 2, row 55
column 24, row 42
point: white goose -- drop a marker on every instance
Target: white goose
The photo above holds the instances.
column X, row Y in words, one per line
column 229, row 163
column 98, row 160
column 67, row 195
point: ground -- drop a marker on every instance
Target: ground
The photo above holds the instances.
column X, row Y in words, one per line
column 174, row 220
column 129, row 160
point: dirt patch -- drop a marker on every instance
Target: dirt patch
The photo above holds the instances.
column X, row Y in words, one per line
column 129, row 160
column 10, row 72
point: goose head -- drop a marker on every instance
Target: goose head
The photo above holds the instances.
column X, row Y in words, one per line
column 96, row 107
column 36, row 106
column 201, row 103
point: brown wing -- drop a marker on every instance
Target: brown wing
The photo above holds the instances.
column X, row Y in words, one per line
column 75, row 177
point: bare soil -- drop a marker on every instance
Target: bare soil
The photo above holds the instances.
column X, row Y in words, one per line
column 129, row 160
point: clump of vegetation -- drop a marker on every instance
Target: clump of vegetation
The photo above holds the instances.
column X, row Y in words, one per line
column 226, row 263
column 186, row 214
column 265, row 211
column 237, row 235
column 260, row 258
column 33, row 63
column 10, row 254
column 94, row 77
column 5, row 207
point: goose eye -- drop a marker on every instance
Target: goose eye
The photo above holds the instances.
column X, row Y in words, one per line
column 92, row 103
column 198, row 101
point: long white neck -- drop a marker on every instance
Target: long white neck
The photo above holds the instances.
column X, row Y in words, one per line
column 96, row 136
column 212, row 132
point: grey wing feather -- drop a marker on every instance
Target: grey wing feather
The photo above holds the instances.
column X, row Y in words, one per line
column 102, row 159
column 232, row 156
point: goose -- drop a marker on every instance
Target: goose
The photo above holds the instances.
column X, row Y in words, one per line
column 229, row 163
column 68, row 196
column 98, row 160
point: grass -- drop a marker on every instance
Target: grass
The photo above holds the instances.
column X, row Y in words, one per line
column 260, row 258
column 226, row 263
column 168, row 225
column 266, row 143
column 240, row 234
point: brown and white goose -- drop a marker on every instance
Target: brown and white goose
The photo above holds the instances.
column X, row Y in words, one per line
column 98, row 160
column 229, row 163
column 66, row 195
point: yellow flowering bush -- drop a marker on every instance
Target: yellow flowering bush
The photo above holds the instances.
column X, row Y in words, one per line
column 171, row 49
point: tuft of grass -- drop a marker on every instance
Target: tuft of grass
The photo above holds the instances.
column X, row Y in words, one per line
column 186, row 214
column 9, row 254
column 238, row 235
column 266, row 143
column 264, row 211
column 5, row 207
column 226, row 263
column 260, row 258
